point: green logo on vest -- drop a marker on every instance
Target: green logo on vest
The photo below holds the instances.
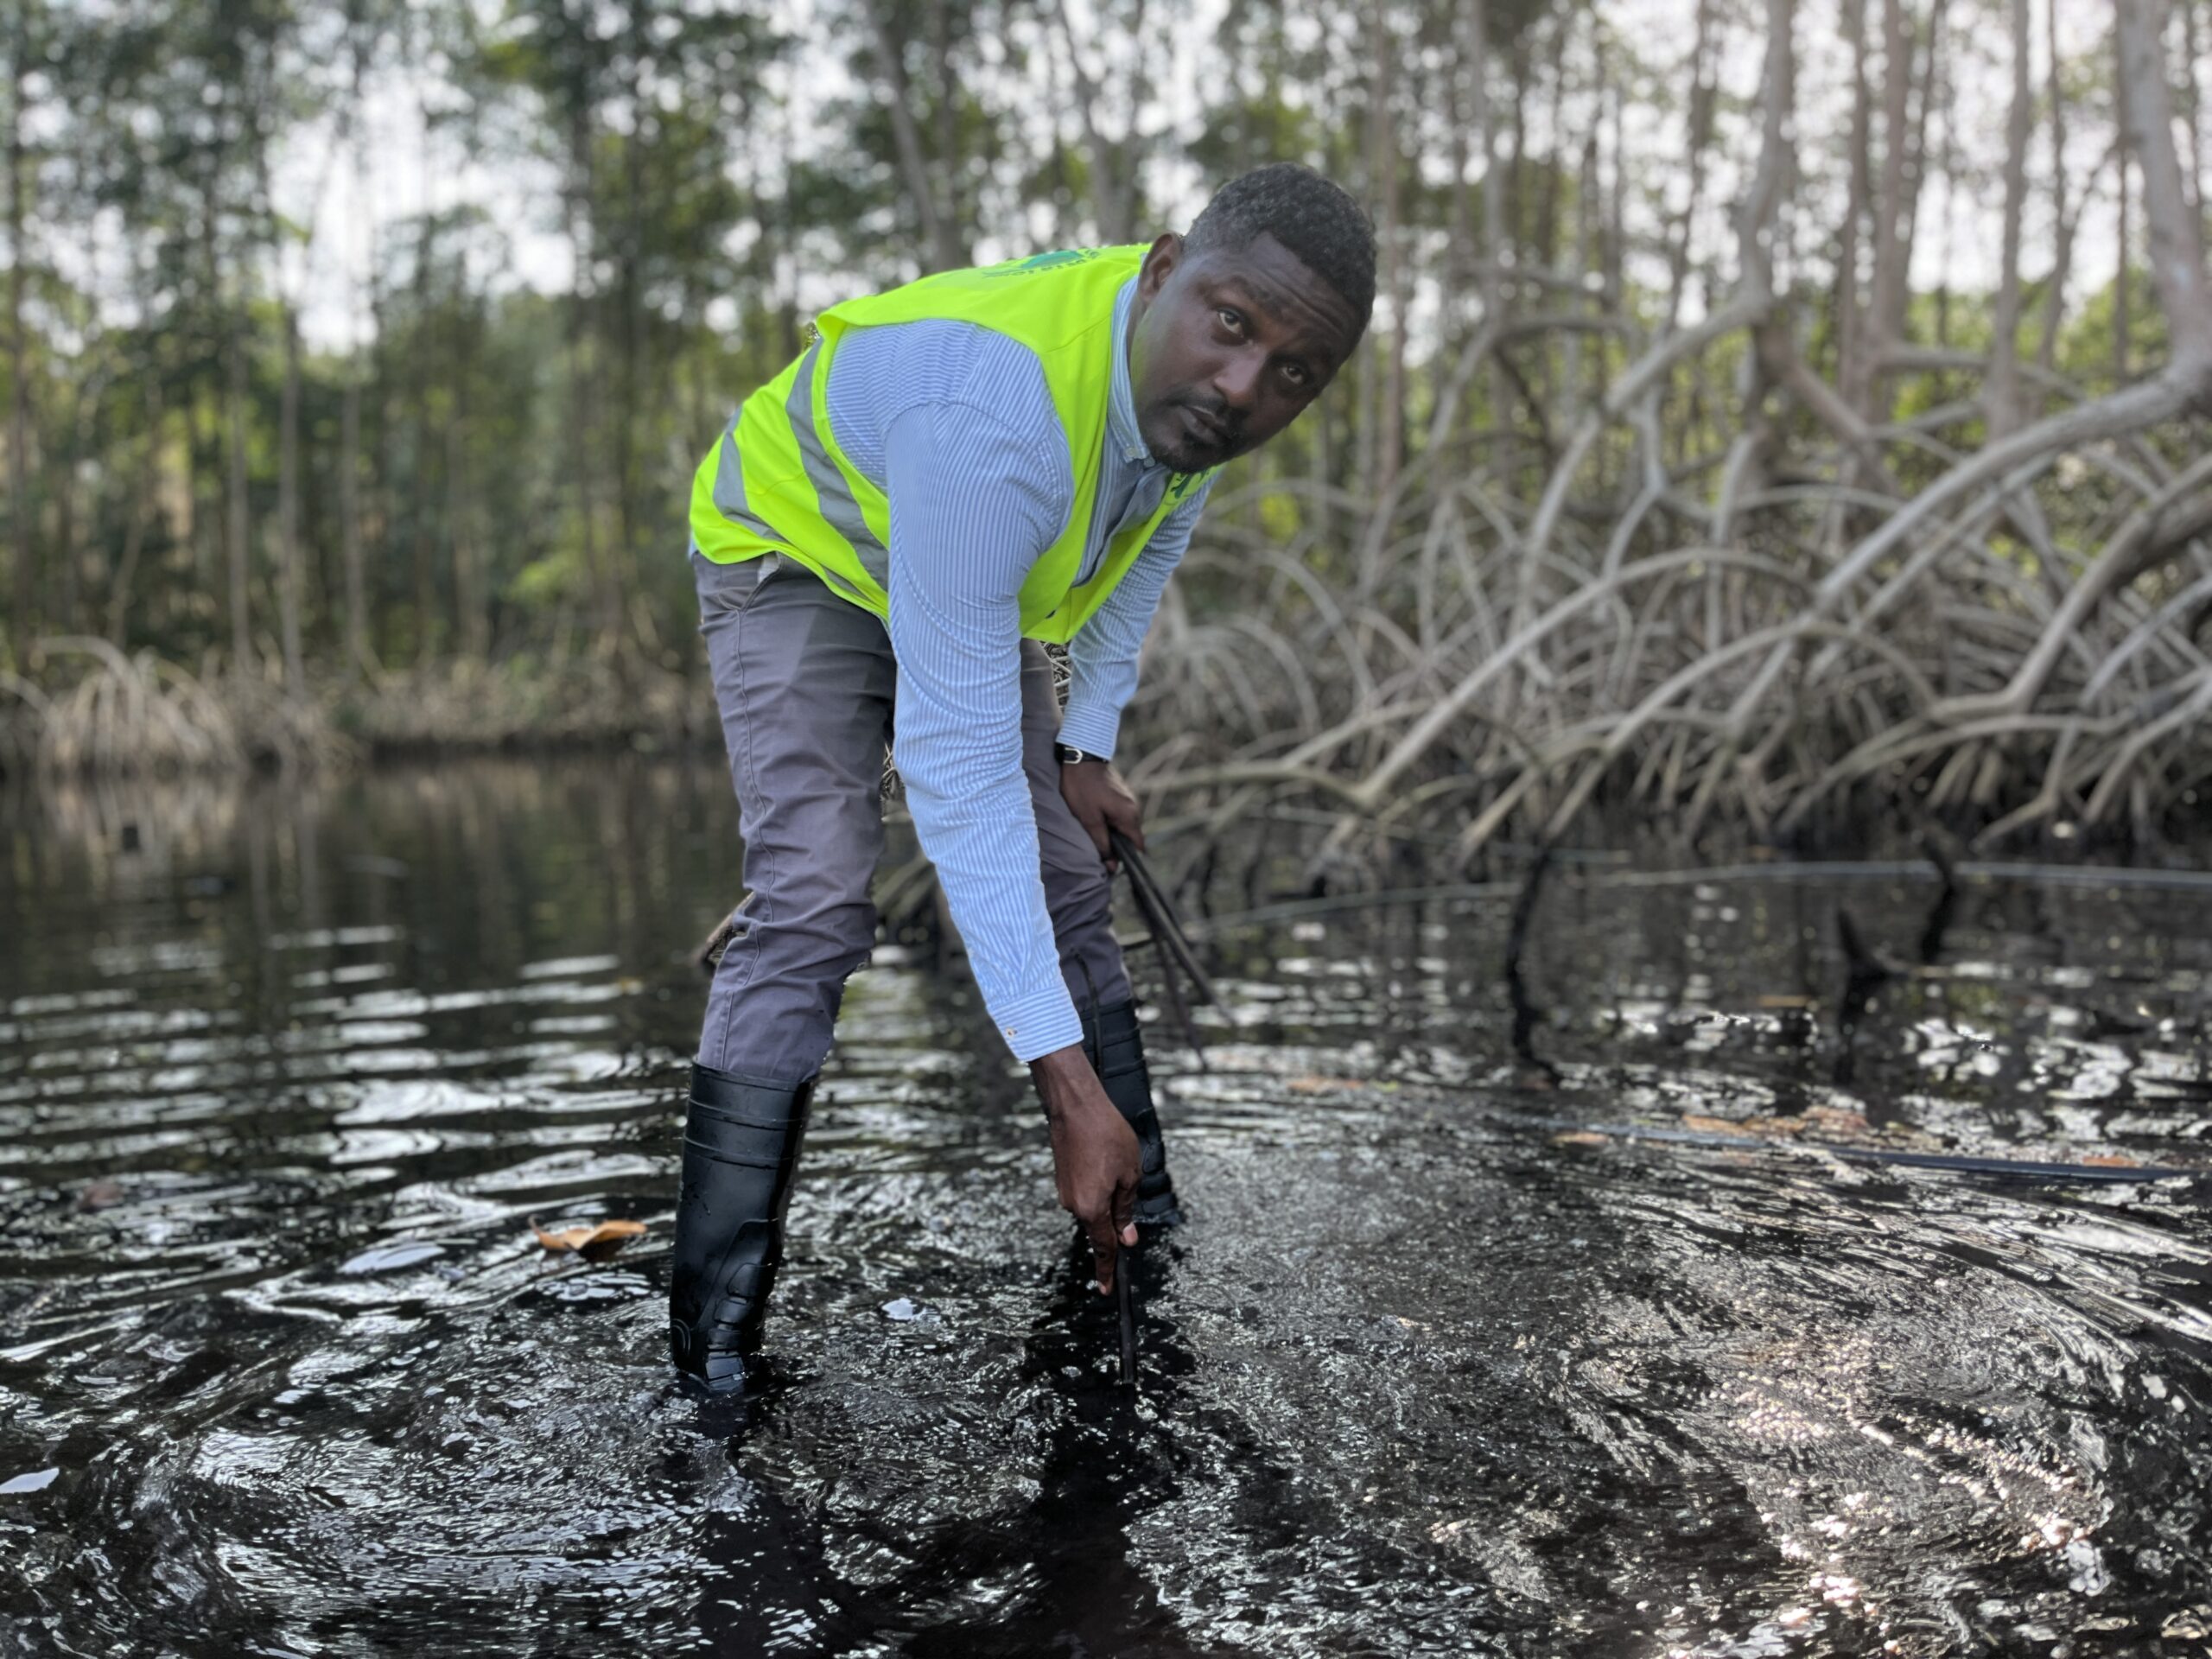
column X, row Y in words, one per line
column 1044, row 262
column 1180, row 486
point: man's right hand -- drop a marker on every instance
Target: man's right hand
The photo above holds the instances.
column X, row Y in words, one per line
column 1094, row 1154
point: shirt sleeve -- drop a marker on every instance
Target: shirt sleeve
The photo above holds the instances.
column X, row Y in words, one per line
column 1103, row 656
column 974, row 501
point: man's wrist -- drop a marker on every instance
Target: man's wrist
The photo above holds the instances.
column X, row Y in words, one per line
column 1060, row 1063
column 1059, row 1077
column 1070, row 755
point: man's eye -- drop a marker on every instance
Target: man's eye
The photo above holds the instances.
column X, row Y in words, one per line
column 1296, row 374
column 1231, row 320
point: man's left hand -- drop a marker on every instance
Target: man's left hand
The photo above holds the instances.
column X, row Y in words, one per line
column 1101, row 802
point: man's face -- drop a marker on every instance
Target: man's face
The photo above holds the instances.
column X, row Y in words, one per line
column 1227, row 346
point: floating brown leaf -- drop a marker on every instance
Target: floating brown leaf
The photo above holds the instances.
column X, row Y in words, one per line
column 1791, row 1000
column 593, row 1243
column 1711, row 1125
column 1838, row 1120
column 2111, row 1160
column 1578, row 1138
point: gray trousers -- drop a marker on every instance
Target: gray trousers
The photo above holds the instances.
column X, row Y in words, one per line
column 806, row 682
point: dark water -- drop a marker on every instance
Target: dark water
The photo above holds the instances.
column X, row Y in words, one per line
column 283, row 1371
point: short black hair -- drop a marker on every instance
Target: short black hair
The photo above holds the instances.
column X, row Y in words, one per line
column 1328, row 231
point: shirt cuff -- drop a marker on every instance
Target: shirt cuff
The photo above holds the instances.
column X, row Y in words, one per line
column 1093, row 730
column 1039, row 1022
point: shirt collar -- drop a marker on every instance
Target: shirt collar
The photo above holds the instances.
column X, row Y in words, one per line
column 1121, row 400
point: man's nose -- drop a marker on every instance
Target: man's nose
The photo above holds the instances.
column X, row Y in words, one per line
column 1237, row 382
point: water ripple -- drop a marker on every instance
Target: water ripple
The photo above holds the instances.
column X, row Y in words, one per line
column 1442, row 1363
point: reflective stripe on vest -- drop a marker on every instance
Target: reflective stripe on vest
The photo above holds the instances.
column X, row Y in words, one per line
column 777, row 481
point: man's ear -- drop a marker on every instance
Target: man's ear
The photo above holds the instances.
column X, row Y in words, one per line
column 1159, row 262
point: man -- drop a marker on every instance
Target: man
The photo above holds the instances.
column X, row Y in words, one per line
column 949, row 475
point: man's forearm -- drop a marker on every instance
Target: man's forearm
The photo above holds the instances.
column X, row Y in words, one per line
column 959, row 753
column 983, row 843
column 1102, row 657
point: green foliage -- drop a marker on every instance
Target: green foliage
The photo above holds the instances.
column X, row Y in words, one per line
column 2085, row 346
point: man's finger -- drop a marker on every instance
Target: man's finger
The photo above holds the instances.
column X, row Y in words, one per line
column 1125, row 1210
column 1104, row 1248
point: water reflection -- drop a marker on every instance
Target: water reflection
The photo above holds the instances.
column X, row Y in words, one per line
column 285, row 1079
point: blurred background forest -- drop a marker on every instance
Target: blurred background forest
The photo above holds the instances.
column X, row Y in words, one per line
column 1774, row 407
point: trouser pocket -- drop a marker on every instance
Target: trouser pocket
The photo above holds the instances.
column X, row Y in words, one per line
column 726, row 587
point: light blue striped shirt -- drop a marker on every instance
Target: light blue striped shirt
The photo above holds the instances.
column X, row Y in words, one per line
column 954, row 423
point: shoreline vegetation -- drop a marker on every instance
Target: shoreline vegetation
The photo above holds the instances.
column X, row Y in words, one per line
column 1665, row 480
column 90, row 711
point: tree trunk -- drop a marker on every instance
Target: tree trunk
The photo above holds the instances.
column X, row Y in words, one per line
column 1854, row 352
column 238, row 529
column 1382, row 165
column 2176, row 229
column 1113, row 164
column 633, row 370
column 471, row 587
column 2001, row 389
column 25, row 609
column 1614, row 232
column 1517, row 179
column 468, row 585
column 2062, row 262
column 422, row 520
column 140, row 505
column 1897, row 212
column 1893, row 242
column 1459, row 226
column 787, row 292
column 236, row 523
column 1935, row 89
column 1492, row 245
column 62, row 467
column 1947, row 168
column 358, row 654
column 940, row 236
column 2122, row 321
column 1546, row 231
column 581, row 401
column 949, row 158
column 1704, row 101
column 2192, row 57
column 288, row 512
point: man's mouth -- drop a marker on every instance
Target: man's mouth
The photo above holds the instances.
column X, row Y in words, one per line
column 1210, row 431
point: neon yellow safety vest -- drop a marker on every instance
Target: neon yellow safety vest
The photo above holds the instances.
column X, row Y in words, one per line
column 777, row 482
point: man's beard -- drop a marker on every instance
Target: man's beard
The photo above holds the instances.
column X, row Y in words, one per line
column 1183, row 451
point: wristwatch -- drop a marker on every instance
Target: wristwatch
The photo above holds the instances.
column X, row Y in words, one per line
column 1071, row 756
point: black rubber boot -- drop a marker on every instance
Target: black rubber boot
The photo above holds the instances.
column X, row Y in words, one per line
column 1115, row 1045
column 740, row 1149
